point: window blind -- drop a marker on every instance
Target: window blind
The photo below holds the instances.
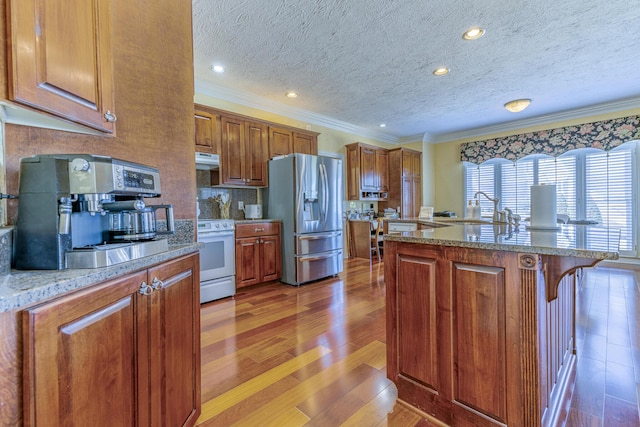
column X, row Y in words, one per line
column 590, row 185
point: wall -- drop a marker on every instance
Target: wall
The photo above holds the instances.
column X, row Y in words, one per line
column 153, row 85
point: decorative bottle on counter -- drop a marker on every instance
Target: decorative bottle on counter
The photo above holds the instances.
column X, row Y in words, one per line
column 469, row 210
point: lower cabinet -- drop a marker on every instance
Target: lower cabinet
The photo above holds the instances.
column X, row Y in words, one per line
column 124, row 352
column 258, row 253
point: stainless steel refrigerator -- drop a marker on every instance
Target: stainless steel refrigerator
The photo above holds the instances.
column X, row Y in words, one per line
column 306, row 193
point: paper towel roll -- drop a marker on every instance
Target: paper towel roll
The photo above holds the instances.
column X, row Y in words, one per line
column 544, row 212
column 544, row 238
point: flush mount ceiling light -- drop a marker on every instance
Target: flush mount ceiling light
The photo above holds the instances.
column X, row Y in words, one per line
column 441, row 71
column 217, row 69
column 382, row 125
column 517, row 105
column 291, row 94
column 473, row 33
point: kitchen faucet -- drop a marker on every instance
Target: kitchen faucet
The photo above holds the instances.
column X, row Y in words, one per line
column 495, row 201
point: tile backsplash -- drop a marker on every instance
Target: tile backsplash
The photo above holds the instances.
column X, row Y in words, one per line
column 209, row 208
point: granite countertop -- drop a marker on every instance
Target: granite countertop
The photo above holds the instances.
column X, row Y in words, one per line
column 569, row 240
column 22, row 288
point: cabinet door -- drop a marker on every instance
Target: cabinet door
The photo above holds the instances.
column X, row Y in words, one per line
column 232, row 158
column 256, row 152
column 175, row 342
column 80, row 357
column 368, row 176
column 206, row 128
column 382, row 170
column 305, row 144
column 407, row 204
column 280, row 142
column 415, row 164
column 61, row 59
column 270, row 258
column 353, row 172
column 247, row 261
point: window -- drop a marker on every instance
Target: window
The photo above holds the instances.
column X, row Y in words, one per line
column 590, row 185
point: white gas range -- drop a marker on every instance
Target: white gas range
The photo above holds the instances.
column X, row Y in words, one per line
column 217, row 259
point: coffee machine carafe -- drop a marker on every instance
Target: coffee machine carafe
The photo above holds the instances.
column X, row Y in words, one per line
column 73, row 207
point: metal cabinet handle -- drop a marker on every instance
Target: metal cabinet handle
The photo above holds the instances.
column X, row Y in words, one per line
column 145, row 289
column 110, row 117
column 258, row 230
column 157, row 284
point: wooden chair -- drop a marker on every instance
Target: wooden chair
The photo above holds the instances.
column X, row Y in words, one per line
column 376, row 237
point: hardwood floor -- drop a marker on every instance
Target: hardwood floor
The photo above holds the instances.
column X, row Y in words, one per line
column 278, row 355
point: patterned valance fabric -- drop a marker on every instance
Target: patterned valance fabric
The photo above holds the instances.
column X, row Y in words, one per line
column 604, row 135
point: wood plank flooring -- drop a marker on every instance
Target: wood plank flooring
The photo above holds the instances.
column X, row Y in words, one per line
column 278, row 355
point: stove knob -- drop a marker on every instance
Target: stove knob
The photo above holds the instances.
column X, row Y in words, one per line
column 217, row 225
column 225, row 225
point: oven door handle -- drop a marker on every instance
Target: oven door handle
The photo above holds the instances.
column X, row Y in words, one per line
column 203, row 237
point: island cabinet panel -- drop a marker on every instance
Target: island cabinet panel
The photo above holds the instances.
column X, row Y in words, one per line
column 479, row 346
column 417, row 309
column 473, row 338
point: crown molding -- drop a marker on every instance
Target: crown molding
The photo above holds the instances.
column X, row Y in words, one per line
column 249, row 100
column 547, row 119
column 253, row 101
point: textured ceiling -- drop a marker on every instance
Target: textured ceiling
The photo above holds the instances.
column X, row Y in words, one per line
column 365, row 62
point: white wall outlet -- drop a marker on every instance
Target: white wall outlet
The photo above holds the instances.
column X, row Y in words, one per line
column 241, row 205
column 352, row 205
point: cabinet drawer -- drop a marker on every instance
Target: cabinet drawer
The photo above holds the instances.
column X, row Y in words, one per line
column 257, row 229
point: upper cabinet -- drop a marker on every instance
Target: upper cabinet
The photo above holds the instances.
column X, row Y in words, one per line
column 368, row 172
column 60, row 60
column 245, row 144
column 284, row 141
column 207, row 131
column 244, row 150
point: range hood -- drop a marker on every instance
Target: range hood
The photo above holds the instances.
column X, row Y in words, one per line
column 207, row 161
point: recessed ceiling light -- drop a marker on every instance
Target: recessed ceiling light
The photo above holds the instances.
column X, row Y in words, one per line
column 291, row 94
column 517, row 105
column 473, row 33
column 441, row 71
column 382, row 125
column 217, row 69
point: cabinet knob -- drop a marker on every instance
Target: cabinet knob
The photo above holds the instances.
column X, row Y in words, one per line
column 110, row 117
column 157, row 284
column 145, row 289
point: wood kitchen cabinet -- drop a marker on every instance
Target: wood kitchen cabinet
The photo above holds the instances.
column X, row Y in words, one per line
column 207, row 131
column 124, row 352
column 61, row 63
column 405, row 183
column 284, row 141
column 244, row 150
column 258, row 253
column 368, row 172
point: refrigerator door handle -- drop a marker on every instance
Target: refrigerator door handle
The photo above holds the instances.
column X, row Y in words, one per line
column 325, row 192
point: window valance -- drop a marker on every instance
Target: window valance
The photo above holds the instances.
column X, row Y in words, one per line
column 604, row 135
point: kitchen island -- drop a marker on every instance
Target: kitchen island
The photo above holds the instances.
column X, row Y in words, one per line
column 481, row 320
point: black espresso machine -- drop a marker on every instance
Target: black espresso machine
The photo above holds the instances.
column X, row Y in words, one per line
column 86, row 211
